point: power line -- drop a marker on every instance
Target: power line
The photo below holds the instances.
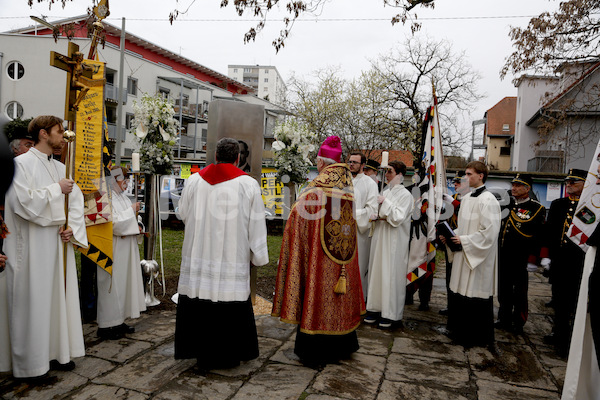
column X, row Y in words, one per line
column 314, row 19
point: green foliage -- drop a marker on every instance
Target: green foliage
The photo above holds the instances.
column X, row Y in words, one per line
column 16, row 128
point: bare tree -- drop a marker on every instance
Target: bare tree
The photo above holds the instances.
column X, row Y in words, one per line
column 410, row 71
column 293, row 10
column 570, row 34
column 564, row 43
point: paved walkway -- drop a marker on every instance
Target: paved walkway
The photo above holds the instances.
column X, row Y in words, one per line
column 416, row 362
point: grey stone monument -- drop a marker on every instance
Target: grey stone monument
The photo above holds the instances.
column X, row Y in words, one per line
column 242, row 121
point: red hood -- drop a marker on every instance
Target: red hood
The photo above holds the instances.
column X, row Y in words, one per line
column 218, row 173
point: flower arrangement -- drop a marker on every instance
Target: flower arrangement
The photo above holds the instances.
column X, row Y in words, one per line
column 156, row 130
column 293, row 146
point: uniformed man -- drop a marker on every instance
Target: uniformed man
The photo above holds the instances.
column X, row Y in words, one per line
column 518, row 247
column 371, row 170
column 565, row 261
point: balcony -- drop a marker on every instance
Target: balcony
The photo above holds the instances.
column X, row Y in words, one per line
column 547, row 161
column 111, row 94
column 112, row 132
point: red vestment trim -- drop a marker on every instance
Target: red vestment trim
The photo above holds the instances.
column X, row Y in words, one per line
column 219, row 173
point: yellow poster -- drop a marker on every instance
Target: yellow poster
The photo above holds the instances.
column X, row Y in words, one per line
column 272, row 192
column 89, row 172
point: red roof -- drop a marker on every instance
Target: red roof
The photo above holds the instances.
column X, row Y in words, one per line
column 501, row 116
column 395, row 155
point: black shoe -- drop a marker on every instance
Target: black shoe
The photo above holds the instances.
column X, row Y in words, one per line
column 56, row 366
column 550, row 304
column 126, row 328
column 443, row 311
column 423, row 307
column 502, row 325
column 517, row 330
column 409, row 301
column 112, row 333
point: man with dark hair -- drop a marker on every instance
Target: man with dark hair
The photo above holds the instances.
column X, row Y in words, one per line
column 43, row 304
column 365, row 205
column 474, row 267
column 244, row 156
column 519, row 245
column 388, row 262
column 564, row 260
column 225, row 232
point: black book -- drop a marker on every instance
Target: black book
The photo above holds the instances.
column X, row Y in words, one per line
column 444, row 229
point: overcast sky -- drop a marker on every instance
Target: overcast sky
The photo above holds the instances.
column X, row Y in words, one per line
column 347, row 33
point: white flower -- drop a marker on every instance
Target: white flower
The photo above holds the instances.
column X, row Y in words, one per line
column 141, row 131
column 278, row 146
column 166, row 137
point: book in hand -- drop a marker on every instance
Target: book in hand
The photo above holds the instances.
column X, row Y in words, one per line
column 444, row 230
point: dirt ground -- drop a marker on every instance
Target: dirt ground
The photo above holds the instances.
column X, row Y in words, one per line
column 265, row 286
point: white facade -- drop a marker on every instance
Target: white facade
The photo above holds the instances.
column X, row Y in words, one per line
column 39, row 89
column 531, row 95
column 265, row 79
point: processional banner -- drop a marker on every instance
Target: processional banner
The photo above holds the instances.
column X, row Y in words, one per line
column 90, row 174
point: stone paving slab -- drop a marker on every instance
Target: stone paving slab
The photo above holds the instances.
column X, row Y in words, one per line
column 277, row 382
column 149, row 373
column 372, row 341
column 489, row 390
column 266, row 348
column 356, row 378
column 427, row 370
column 117, row 350
column 285, row 354
column 92, row 367
column 273, row 328
column 516, row 364
column 56, row 385
column 404, row 390
column 93, row 391
column 428, row 348
column 191, row 386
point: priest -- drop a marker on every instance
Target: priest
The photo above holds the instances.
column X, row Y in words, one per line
column 43, row 301
column 318, row 283
column 225, row 232
column 121, row 295
column 474, row 268
column 365, row 205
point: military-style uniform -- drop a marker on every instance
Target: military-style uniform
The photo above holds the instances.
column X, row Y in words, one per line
column 519, row 243
column 566, row 268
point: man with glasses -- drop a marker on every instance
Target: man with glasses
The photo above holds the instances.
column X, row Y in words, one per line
column 564, row 260
column 365, row 205
column 21, row 144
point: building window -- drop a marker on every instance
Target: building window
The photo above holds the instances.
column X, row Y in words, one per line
column 128, row 118
column 132, row 86
column 185, row 99
column 506, row 127
column 247, row 69
column 266, row 71
column 265, row 89
column 164, row 93
column 15, row 70
column 235, row 70
column 266, row 80
column 505, row 151
column 14, row 110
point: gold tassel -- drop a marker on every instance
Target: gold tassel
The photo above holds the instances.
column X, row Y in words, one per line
column 340, row 286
